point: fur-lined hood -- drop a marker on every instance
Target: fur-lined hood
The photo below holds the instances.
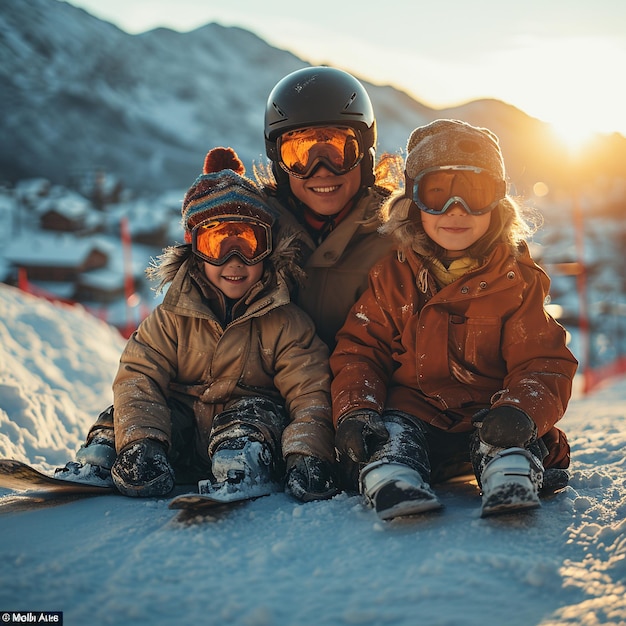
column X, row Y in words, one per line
column 282, row 263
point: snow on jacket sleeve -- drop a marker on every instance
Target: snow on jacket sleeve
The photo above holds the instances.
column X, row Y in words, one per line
column 302, row 376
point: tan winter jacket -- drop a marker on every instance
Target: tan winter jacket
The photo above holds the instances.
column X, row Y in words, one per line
column 181, row 350
column 337, row 269
column 484, row 340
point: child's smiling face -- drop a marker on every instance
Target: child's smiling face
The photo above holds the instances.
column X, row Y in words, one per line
column 456, row 229
column 234, row 278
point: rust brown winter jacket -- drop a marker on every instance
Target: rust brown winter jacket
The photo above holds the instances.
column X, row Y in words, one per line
column 442, row 354
column 182, row 350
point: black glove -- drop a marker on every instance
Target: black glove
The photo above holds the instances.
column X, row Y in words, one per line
column 505, row 427
column 310, row 478
column 142, row 469
column 359, row 434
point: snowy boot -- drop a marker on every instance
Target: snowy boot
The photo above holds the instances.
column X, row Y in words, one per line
column 554, row 479
column 143, row 470
column 511, row 481
column 93, row 461
column 395, row 489
column 241, row 464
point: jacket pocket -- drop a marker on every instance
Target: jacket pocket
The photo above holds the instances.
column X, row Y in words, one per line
column 476, row 342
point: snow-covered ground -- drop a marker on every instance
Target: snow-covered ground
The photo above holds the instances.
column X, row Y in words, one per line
column 274, row 562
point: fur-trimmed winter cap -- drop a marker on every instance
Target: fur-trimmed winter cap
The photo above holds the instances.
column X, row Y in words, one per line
column 452, row 142
column 222, row 189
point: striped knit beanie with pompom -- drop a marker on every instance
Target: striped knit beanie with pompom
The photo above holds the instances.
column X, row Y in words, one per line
column 222, row 189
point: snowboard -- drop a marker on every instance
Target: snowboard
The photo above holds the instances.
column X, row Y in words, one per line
column 202, row 502
column 22, row 477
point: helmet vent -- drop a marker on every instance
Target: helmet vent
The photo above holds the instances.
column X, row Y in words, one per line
column 279, row 111
column 351, row 99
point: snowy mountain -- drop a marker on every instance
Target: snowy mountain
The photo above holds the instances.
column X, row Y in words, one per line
column 80, row 95
column 276, row 562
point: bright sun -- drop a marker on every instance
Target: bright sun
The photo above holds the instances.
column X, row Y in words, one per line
column 574, row 136
column 568, row 82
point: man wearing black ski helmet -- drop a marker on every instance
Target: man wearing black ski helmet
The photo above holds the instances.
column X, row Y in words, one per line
column 320, row 96
column 320, row 136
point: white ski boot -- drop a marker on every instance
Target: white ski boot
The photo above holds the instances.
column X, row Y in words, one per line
column 511, row 482
column 241, row 466
column 394, row 490
column 93, row 463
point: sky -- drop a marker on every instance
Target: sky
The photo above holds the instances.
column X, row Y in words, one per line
column 560, row 61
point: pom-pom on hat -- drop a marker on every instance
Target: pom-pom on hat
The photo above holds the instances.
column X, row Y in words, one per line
column 222, row 189
column 452, row 142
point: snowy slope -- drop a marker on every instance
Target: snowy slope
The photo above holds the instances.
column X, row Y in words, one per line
column 274, row 562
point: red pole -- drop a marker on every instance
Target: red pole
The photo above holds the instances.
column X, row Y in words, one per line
column 129, row 286
column 22, row 279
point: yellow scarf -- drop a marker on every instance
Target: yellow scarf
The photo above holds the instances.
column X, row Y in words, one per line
column 457, row 268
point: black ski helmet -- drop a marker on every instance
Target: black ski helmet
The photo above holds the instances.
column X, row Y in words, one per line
column 320, row 96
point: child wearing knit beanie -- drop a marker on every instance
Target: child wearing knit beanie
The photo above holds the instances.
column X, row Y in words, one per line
column 449, row 364
column 225, row 382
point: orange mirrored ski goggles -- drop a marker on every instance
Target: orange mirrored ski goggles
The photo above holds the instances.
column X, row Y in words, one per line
column 218, row 239
column 302, row 151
